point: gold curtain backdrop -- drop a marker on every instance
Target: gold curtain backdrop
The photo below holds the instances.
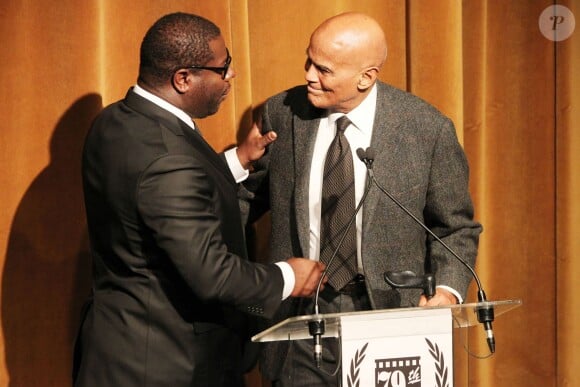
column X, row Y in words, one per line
column 513, row 95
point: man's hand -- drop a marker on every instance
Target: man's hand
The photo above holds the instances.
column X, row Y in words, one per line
column 441, row 297
column 254, row 146
column 307, row 274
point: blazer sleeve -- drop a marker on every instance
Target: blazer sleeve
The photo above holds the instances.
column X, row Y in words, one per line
column 449, row 211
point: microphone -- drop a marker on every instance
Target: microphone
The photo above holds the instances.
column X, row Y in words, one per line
column 316, row 327
column 485, row 313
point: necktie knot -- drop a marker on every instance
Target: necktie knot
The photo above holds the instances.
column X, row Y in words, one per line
column 342, row 123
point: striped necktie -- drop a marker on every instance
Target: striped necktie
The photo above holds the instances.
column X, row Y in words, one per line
column 337, row 209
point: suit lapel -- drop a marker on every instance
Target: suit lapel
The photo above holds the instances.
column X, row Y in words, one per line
column 198, row 142
column 304, row 136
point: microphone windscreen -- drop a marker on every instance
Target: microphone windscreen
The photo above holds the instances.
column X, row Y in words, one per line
column 360, row 152
column 370, row 153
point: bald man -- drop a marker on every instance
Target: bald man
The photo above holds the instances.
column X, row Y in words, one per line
column 417, row 158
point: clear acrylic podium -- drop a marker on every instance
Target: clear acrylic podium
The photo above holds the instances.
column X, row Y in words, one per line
column 392, row 347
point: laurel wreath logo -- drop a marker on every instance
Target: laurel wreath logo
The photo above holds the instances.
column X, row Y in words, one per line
column 353, row 374
column 441, row 371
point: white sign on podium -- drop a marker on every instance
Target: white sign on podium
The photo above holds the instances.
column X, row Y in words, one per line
column 405, row 349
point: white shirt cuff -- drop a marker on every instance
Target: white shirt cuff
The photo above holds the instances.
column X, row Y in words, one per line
column 455, row 293
column 240, row 174
column 289, row 279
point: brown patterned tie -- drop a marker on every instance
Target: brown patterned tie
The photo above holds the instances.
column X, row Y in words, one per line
column 337, row 209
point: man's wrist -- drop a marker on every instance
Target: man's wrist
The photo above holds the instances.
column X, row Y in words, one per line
column 289, row 279
column 452, row 291
column 237, row 169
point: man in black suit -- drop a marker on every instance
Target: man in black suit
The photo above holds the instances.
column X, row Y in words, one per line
column 417, row 158
column 172, row 285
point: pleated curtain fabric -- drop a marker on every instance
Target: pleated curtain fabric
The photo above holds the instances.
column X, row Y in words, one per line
column 337, row 210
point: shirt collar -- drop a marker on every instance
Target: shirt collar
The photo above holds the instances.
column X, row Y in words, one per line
column 183, row 116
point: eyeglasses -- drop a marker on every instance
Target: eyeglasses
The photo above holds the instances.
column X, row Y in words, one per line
column 223, row 71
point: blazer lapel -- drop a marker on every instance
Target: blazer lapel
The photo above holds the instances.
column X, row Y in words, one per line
column 198, row 142
column 384, row 137
column 304, row 137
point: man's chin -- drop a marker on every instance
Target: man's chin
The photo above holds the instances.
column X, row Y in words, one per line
column 316, row 100
column 209, row 112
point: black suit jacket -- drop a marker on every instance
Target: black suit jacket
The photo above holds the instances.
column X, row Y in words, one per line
column 171, row 278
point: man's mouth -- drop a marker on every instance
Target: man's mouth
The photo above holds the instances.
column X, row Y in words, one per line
column 313, row 90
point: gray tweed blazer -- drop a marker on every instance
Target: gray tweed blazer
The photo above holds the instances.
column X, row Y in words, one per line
column 418, row 159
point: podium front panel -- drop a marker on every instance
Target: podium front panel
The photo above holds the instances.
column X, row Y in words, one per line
column 411, row 348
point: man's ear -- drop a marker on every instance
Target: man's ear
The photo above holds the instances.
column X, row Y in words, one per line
column 367, row 78
column 181, row 80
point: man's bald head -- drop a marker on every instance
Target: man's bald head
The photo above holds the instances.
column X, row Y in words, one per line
column 356, row 34
column 345, row 55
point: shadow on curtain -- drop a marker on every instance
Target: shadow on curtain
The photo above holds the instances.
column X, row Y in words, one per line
column 47, row 269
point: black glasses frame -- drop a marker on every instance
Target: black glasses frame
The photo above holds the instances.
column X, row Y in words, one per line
column 223, row 71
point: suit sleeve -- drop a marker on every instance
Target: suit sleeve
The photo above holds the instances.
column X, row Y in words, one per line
column 185, row 221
